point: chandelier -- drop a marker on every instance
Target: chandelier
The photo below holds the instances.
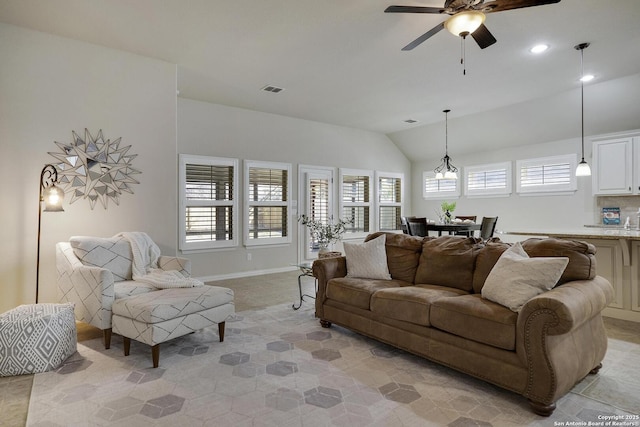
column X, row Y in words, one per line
column 446, row 170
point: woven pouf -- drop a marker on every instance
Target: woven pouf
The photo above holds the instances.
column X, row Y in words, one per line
column 36, row 338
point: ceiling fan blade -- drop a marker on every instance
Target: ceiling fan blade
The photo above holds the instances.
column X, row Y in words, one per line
column 483, row 37
column 424, row 37
column 502, row 5
column 413, row 9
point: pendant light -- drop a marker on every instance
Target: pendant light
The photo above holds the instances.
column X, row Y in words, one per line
column 583, row 168
column 446, row 170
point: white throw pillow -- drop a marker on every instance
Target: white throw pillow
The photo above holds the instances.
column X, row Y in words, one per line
column 516, row 278
column 367, row 260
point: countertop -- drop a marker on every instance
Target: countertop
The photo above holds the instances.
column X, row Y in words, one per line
column 586, row 232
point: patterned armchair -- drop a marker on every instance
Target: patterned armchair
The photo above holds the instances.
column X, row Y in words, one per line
column 93, row 272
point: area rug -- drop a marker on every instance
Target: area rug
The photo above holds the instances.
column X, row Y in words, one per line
column 278, row 367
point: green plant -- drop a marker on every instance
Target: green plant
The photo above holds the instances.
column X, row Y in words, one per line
column 448, row 207
column 325, row 233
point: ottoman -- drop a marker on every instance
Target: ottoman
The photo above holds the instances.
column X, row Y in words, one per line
column 155, row 317
column 36, row 338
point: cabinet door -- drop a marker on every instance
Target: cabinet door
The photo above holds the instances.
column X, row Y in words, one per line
column 612, row 161
column 609, row 265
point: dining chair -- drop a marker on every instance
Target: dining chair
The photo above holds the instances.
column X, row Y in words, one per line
column 487, row 227
column 404, row 224
column 417, row 226
column 464, row 218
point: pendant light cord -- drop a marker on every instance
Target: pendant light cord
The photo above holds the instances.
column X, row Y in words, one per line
column 582, row 96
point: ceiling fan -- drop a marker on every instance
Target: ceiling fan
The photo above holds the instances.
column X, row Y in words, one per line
column 466, row 17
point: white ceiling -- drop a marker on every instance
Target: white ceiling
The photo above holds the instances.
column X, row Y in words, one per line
column 340, row 61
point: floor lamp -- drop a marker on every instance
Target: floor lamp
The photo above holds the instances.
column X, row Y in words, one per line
column 52, row 197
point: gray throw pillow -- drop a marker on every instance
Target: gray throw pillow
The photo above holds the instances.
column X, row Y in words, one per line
column 367, row 260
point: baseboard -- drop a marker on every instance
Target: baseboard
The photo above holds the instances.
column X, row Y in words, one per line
column 242, row 274
column 616, row 313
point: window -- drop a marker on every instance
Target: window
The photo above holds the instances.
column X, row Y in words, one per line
column 439, row 188
column 547, row 175
column 389, row 197
column 208, row 203
column 488, row 180
column 267, row 189
column 355, row 201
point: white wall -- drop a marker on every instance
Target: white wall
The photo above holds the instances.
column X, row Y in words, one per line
column 217, row 130
column 50, row 86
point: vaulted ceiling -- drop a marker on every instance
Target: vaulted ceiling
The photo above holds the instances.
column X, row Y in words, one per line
column 340, row 62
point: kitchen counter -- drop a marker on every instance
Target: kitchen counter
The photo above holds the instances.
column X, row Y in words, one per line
column 587, row 232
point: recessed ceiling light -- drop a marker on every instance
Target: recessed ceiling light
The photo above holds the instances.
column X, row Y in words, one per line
column 539, row 48
column 587, row 78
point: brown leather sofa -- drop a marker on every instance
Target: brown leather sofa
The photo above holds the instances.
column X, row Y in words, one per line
column 432, row 307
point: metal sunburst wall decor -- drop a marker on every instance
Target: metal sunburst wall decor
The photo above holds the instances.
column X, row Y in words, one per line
column 95, row 168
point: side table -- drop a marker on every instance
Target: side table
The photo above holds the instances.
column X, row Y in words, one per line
column 305, row 270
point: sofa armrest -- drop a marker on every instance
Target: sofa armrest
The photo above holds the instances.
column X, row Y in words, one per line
column 90, row 288
column 183, row 265
column 325, row 269
column 560, row 336
column 569, row 305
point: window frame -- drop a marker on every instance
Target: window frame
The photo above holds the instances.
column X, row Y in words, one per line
column 440, row 194
column 184, row 245
column 548, row 189
column 379, row 205
column 370, row 204
column 497, row 192
column 248, row 204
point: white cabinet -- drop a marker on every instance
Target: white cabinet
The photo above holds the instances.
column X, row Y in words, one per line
column 613, row 166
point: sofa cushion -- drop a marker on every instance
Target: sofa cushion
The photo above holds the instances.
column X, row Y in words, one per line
column 486, row 259
column 403, row 254
column 410, row 303
column 357, row 292
column 448, row 261
column 367, row 260
column 111, row 253
column 516, row 278
column 582, row 259
column 477, row 319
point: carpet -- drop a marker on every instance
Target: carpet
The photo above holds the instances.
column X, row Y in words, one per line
column 278, row 367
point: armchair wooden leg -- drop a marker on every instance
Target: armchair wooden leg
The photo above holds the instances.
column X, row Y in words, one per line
column 542, row 409
column 126, row 343
column 155, row 355
column 107, row 338
column 221, row 330
column 596, row 369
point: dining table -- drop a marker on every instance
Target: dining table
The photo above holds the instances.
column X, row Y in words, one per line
column 453, row 228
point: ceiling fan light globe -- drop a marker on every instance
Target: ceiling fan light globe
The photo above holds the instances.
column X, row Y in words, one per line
column 583, row 169
column 439, row 175
column 464, row 22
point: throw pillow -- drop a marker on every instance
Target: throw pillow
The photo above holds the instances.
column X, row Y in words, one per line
column 516, row 278
column 367, row 260
column 112, row 253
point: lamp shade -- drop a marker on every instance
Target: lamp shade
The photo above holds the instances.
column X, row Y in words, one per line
column 583, row 169
column 52, row 198
column 464, row 23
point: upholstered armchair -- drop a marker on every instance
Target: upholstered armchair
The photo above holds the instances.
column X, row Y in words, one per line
column 93, row 272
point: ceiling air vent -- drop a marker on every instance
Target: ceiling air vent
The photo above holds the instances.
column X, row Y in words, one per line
column 410, row 121
column 273, row 89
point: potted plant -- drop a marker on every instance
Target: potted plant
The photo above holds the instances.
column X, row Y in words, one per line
column 447, row 209
column 325, row 233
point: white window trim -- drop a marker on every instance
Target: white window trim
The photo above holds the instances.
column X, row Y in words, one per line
column 497, row 192
column 247, row 204
column 550, row 190
column 378, row 204
column 440, row 195
column 185, row 159
column 370, row 204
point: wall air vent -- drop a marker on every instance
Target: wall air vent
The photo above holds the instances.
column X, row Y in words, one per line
column 273, row 89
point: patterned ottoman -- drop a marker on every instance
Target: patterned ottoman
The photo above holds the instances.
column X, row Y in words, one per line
column 36, row 338
column 156, row 317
